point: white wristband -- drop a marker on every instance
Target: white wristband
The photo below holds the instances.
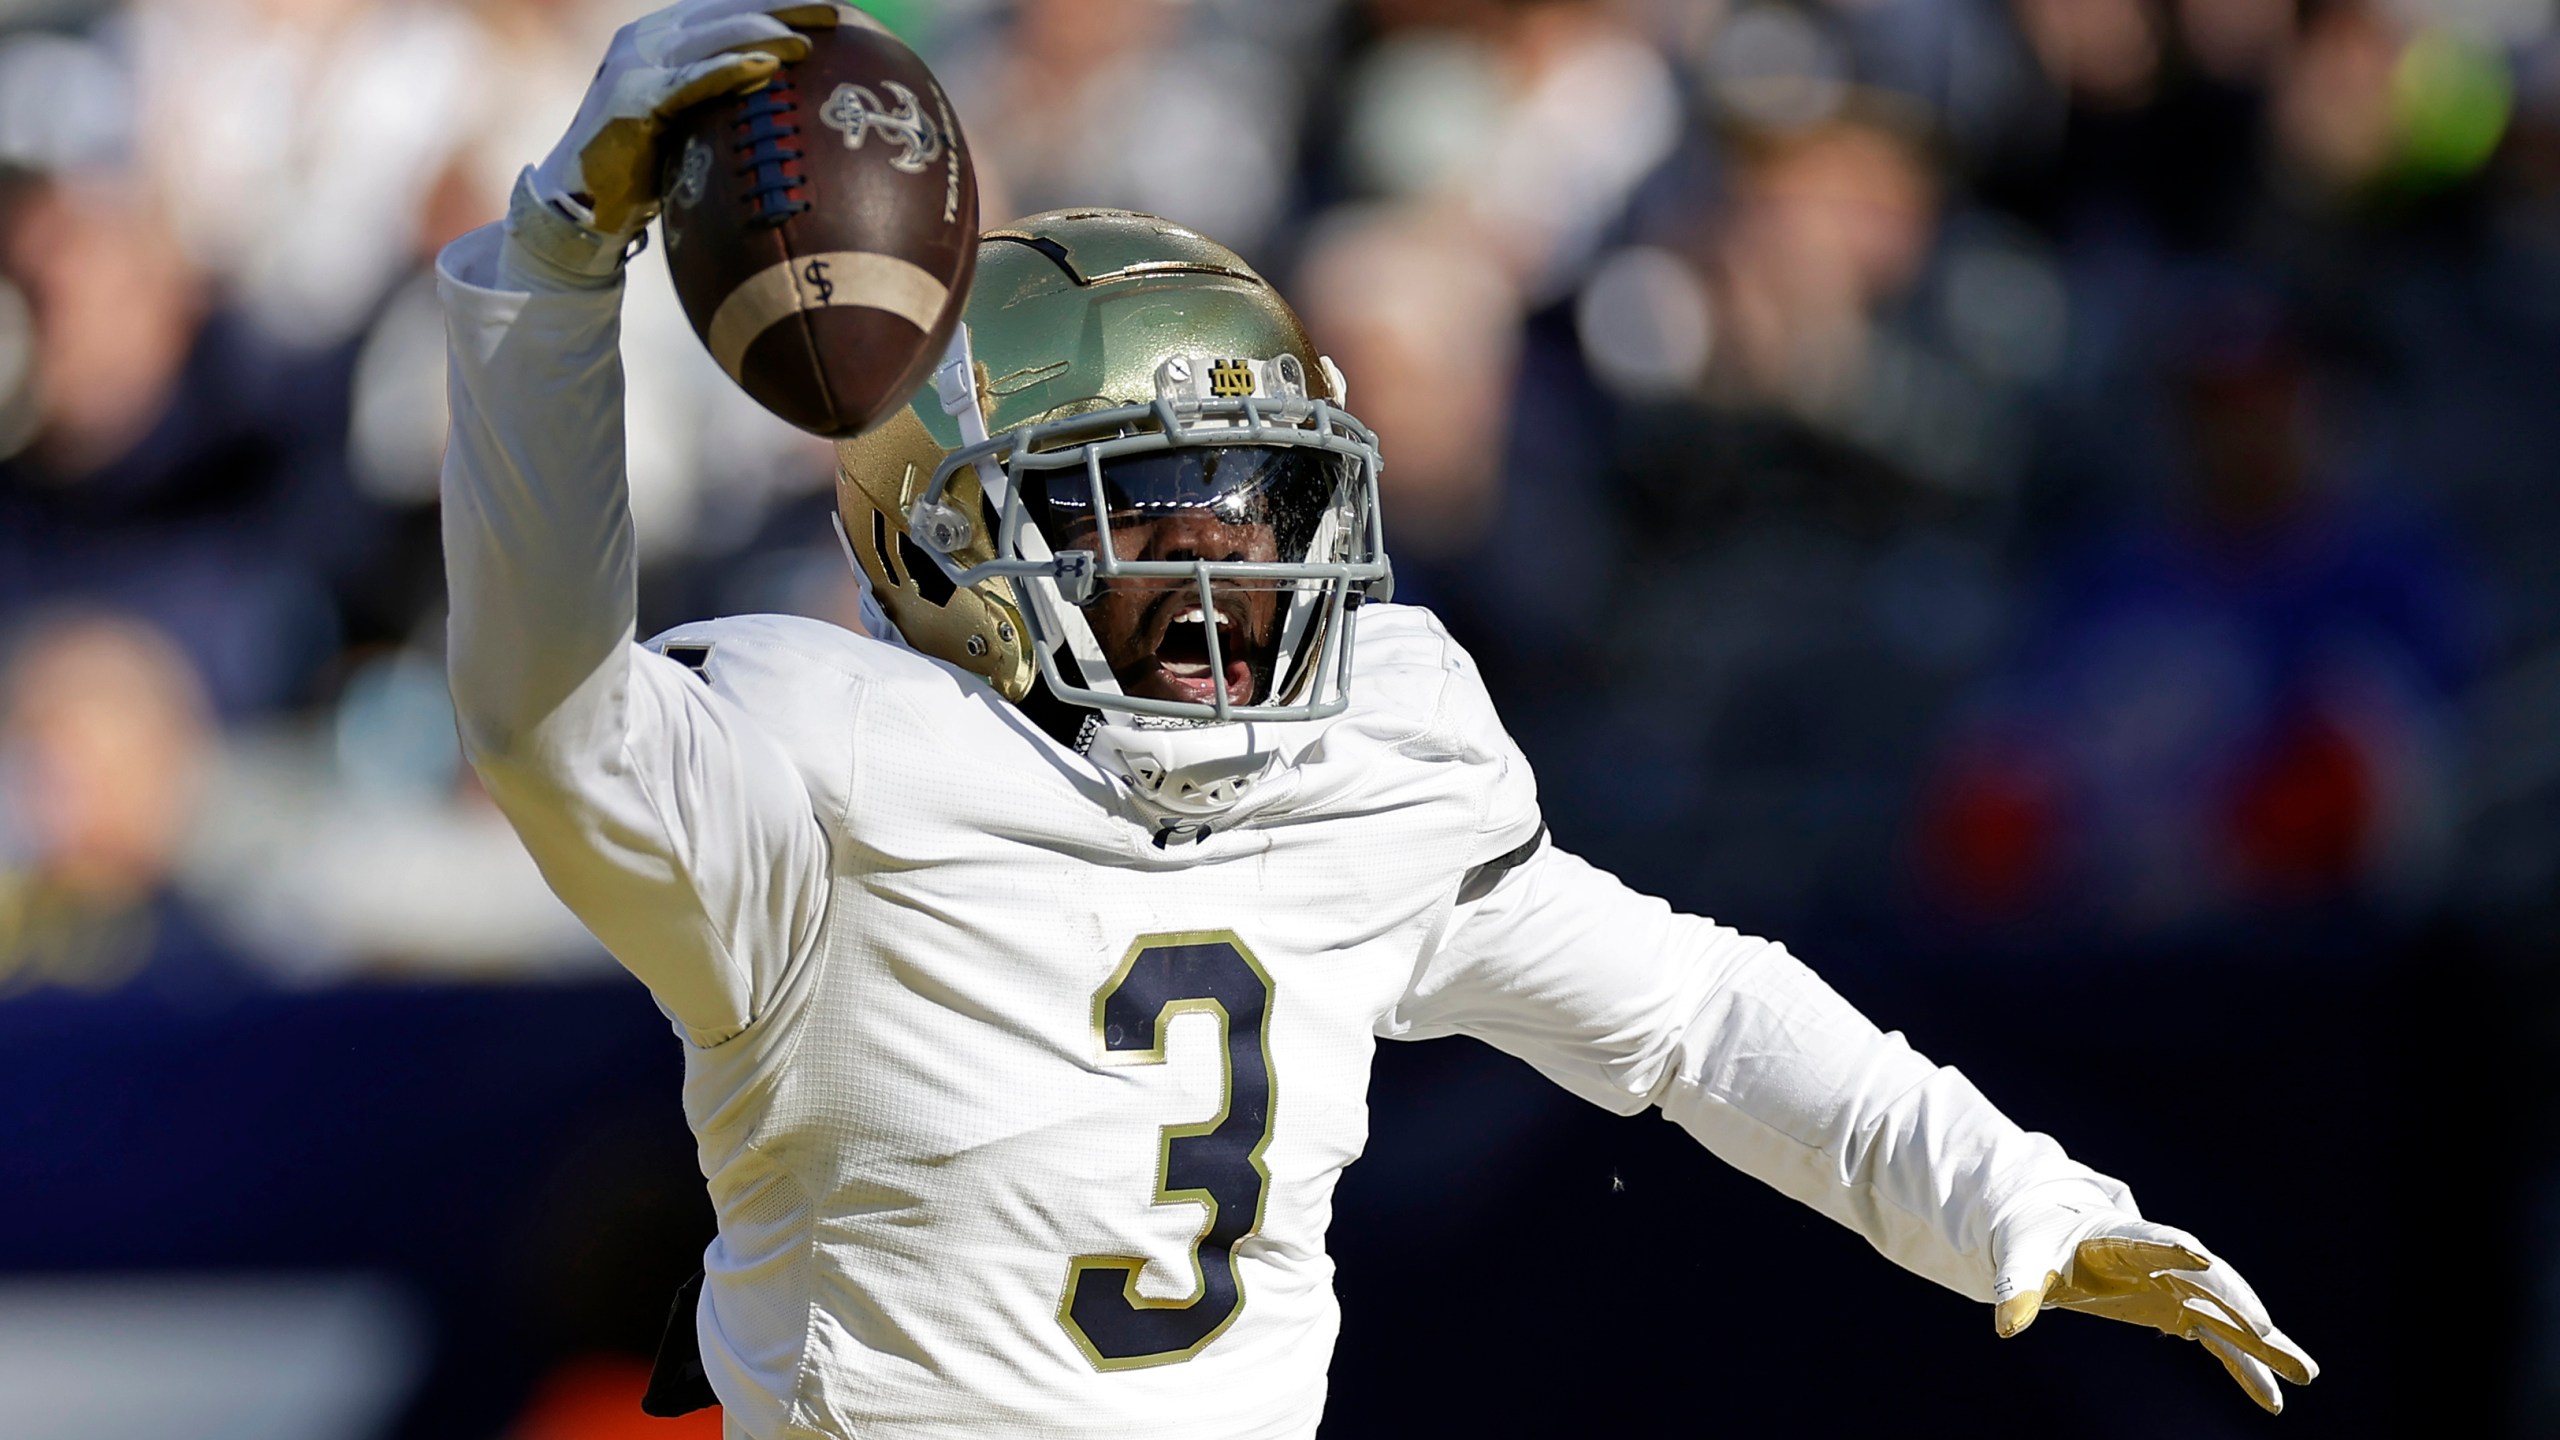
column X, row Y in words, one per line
column 547, row 250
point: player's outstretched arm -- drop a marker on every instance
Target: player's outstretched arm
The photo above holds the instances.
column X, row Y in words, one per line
column 1628, row 1003
column 682, row 835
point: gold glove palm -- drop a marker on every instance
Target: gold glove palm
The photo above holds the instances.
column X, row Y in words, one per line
column 2145, row 1274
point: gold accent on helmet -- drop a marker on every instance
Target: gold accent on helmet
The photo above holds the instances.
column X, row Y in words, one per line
column 879, row 476
column 1071, row 311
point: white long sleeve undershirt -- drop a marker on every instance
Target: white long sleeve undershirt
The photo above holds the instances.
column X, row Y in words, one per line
column 667, row 820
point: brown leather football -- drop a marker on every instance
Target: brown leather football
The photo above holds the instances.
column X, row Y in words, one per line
column 822, row 229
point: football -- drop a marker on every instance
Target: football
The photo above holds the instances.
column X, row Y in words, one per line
column 822, row 229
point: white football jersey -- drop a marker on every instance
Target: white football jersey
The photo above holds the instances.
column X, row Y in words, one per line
column 1022, row 1113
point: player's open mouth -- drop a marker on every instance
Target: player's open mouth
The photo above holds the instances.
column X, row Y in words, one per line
column 1179, row 667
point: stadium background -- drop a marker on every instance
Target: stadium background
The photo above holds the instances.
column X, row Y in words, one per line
column 2047, row 505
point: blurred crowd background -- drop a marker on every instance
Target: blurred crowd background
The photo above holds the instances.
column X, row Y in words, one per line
column 2047, row 505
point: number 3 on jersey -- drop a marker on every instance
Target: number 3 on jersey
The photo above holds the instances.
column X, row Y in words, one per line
column 1216, row 1163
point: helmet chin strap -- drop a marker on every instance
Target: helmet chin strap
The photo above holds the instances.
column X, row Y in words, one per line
column 955, row 381
column 875, row 620
column 1299, row 621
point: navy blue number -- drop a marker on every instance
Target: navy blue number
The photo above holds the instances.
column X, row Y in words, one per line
column 1216, row 1163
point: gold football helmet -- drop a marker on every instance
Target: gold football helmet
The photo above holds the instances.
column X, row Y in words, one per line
column 1116, row 370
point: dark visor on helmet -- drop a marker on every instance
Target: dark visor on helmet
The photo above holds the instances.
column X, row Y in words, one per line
column 1270, row 497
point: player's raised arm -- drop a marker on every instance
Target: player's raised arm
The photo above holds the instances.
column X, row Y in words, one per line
column 680, row 834
column 1628, row 1003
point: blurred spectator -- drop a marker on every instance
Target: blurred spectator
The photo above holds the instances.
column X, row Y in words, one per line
column 104, row 735
column 1829, row 304
column 1588, row 111
column 297, row 142
column 2234, row 711
column 1423, row 318
column 2332, row 116
column 369, row 848
column 115, row 309
column 1533, row 121
column 2106, row 54
column 180, row 464
column 2237, row 42
column 1182, row 108
column 1828, row 225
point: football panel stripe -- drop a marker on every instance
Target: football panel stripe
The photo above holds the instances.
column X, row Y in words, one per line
column 816, row 282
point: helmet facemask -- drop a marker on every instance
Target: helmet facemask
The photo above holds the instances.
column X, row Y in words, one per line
column 1198, row 558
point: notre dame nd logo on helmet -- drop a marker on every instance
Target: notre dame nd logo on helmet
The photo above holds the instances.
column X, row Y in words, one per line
column 1230, row 378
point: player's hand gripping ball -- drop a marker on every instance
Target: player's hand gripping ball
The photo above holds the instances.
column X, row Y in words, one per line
column 604, row 172
column 822, row 227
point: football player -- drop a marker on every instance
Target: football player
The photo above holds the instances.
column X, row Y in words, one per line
column 1028, row 952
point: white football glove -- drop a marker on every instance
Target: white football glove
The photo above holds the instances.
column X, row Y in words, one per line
column 604, row 172
column 2104, row 1262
